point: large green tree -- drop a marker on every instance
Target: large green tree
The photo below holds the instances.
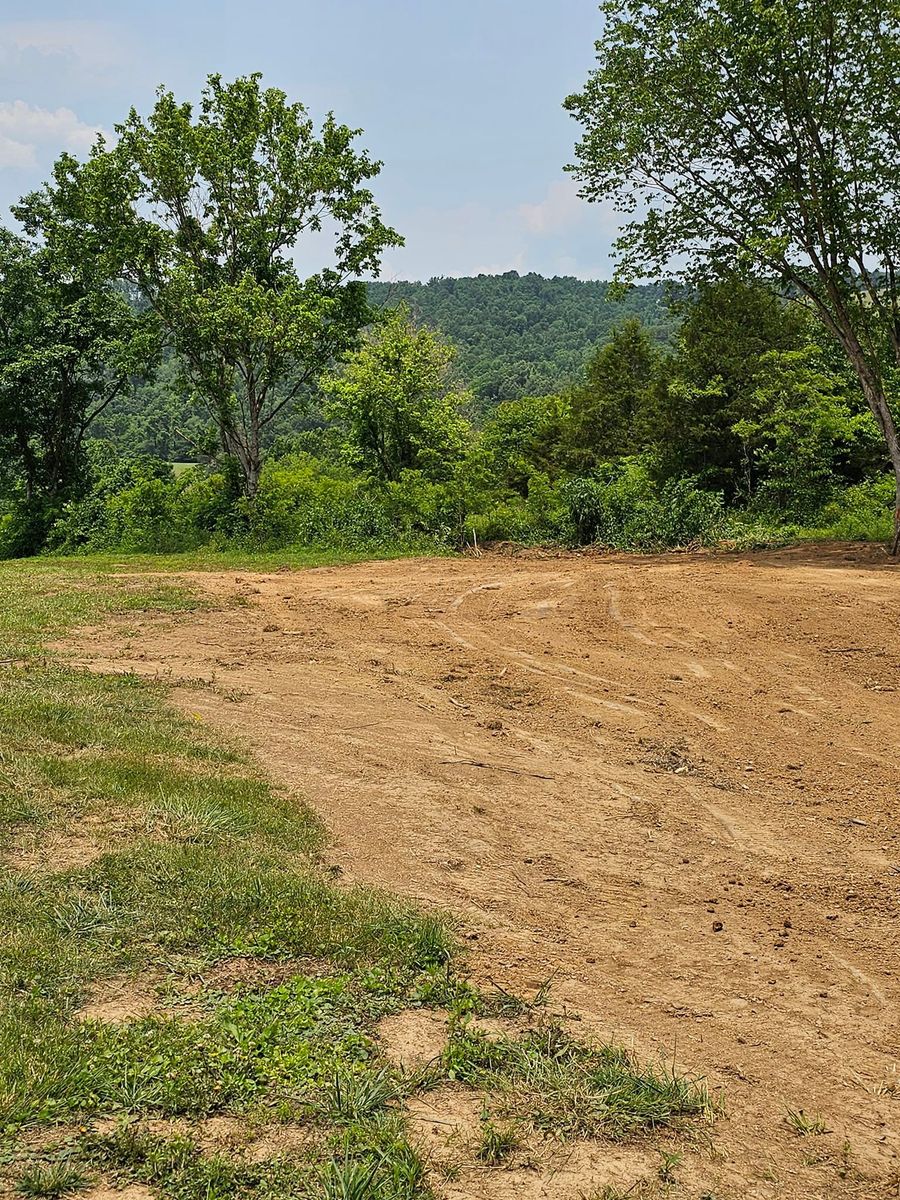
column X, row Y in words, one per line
column 398, row 403
column 204, row 213
column 759, row 135
column 710, row 382
column 70, row 343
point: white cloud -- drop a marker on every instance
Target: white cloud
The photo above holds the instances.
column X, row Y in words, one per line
column 18, row 155
column 24, row 129
column 560, row 208
column 92, row 45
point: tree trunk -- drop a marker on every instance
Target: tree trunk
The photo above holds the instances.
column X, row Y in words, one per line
column 247, row 455
column 254, row 450
column 873, row 390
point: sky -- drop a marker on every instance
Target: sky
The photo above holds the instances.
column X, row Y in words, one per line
column 461, row 100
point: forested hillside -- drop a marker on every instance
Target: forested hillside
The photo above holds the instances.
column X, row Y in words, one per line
column 525, row 335
column 515, row 335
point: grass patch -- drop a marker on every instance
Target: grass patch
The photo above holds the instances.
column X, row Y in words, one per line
column 51, row 1181
column 567, row 1088
column 139, row 848
column 208, row 558
column 497, row 1143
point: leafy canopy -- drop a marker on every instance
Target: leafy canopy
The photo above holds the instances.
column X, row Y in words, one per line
column 69, row 344
column 758, row 136
column 203, row 214
column 397, row 402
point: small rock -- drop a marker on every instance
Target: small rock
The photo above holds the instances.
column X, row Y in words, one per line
column 717, row 926
column 856, row 821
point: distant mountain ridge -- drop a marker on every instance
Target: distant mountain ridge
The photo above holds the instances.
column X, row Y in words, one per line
column 521, row 335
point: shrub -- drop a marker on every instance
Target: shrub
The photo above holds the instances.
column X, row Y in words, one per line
column 858, row 514
column 621, row 507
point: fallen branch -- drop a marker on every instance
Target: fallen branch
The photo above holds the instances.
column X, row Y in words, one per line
column 474, row 762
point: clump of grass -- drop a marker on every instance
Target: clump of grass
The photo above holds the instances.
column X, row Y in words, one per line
column 805, row 1124
column 497, row 1143
column 567, row 1088
column 350, row 1180
column 358, row 1095
column 51, row 1180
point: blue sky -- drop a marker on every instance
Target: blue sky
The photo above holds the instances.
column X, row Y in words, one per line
column 461, row 99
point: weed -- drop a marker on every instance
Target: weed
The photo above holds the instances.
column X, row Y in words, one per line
column 670, row 1160
column 804, row 1124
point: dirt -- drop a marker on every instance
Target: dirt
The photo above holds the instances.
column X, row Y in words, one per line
column 667, row 784
column 414, row 1038
column 119, row 1000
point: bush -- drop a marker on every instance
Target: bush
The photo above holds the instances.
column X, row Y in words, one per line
column 23, row 528
column 132, row 504
column 621, row 507
column 859, row 514
column 139, row 506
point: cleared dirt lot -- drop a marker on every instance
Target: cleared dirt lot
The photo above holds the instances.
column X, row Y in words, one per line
column 671, row 784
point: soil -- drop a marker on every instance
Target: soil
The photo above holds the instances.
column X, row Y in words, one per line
column 667, row 784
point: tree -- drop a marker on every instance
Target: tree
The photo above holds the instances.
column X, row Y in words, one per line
column 759, row 136
column 606, row 406
column 804, row 434
column 397, row 403
column 710, row 383
column 69, row 345
column 204, row 215
column 520, row 439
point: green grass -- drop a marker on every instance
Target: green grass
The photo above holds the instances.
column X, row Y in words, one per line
column 805, row 1124
column 139, row 852
column 206, row 558
column 562, row 1086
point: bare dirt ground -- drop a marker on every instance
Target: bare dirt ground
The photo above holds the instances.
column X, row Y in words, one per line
column 671, row 784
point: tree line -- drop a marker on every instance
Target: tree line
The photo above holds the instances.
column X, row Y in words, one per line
column 749, row 149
